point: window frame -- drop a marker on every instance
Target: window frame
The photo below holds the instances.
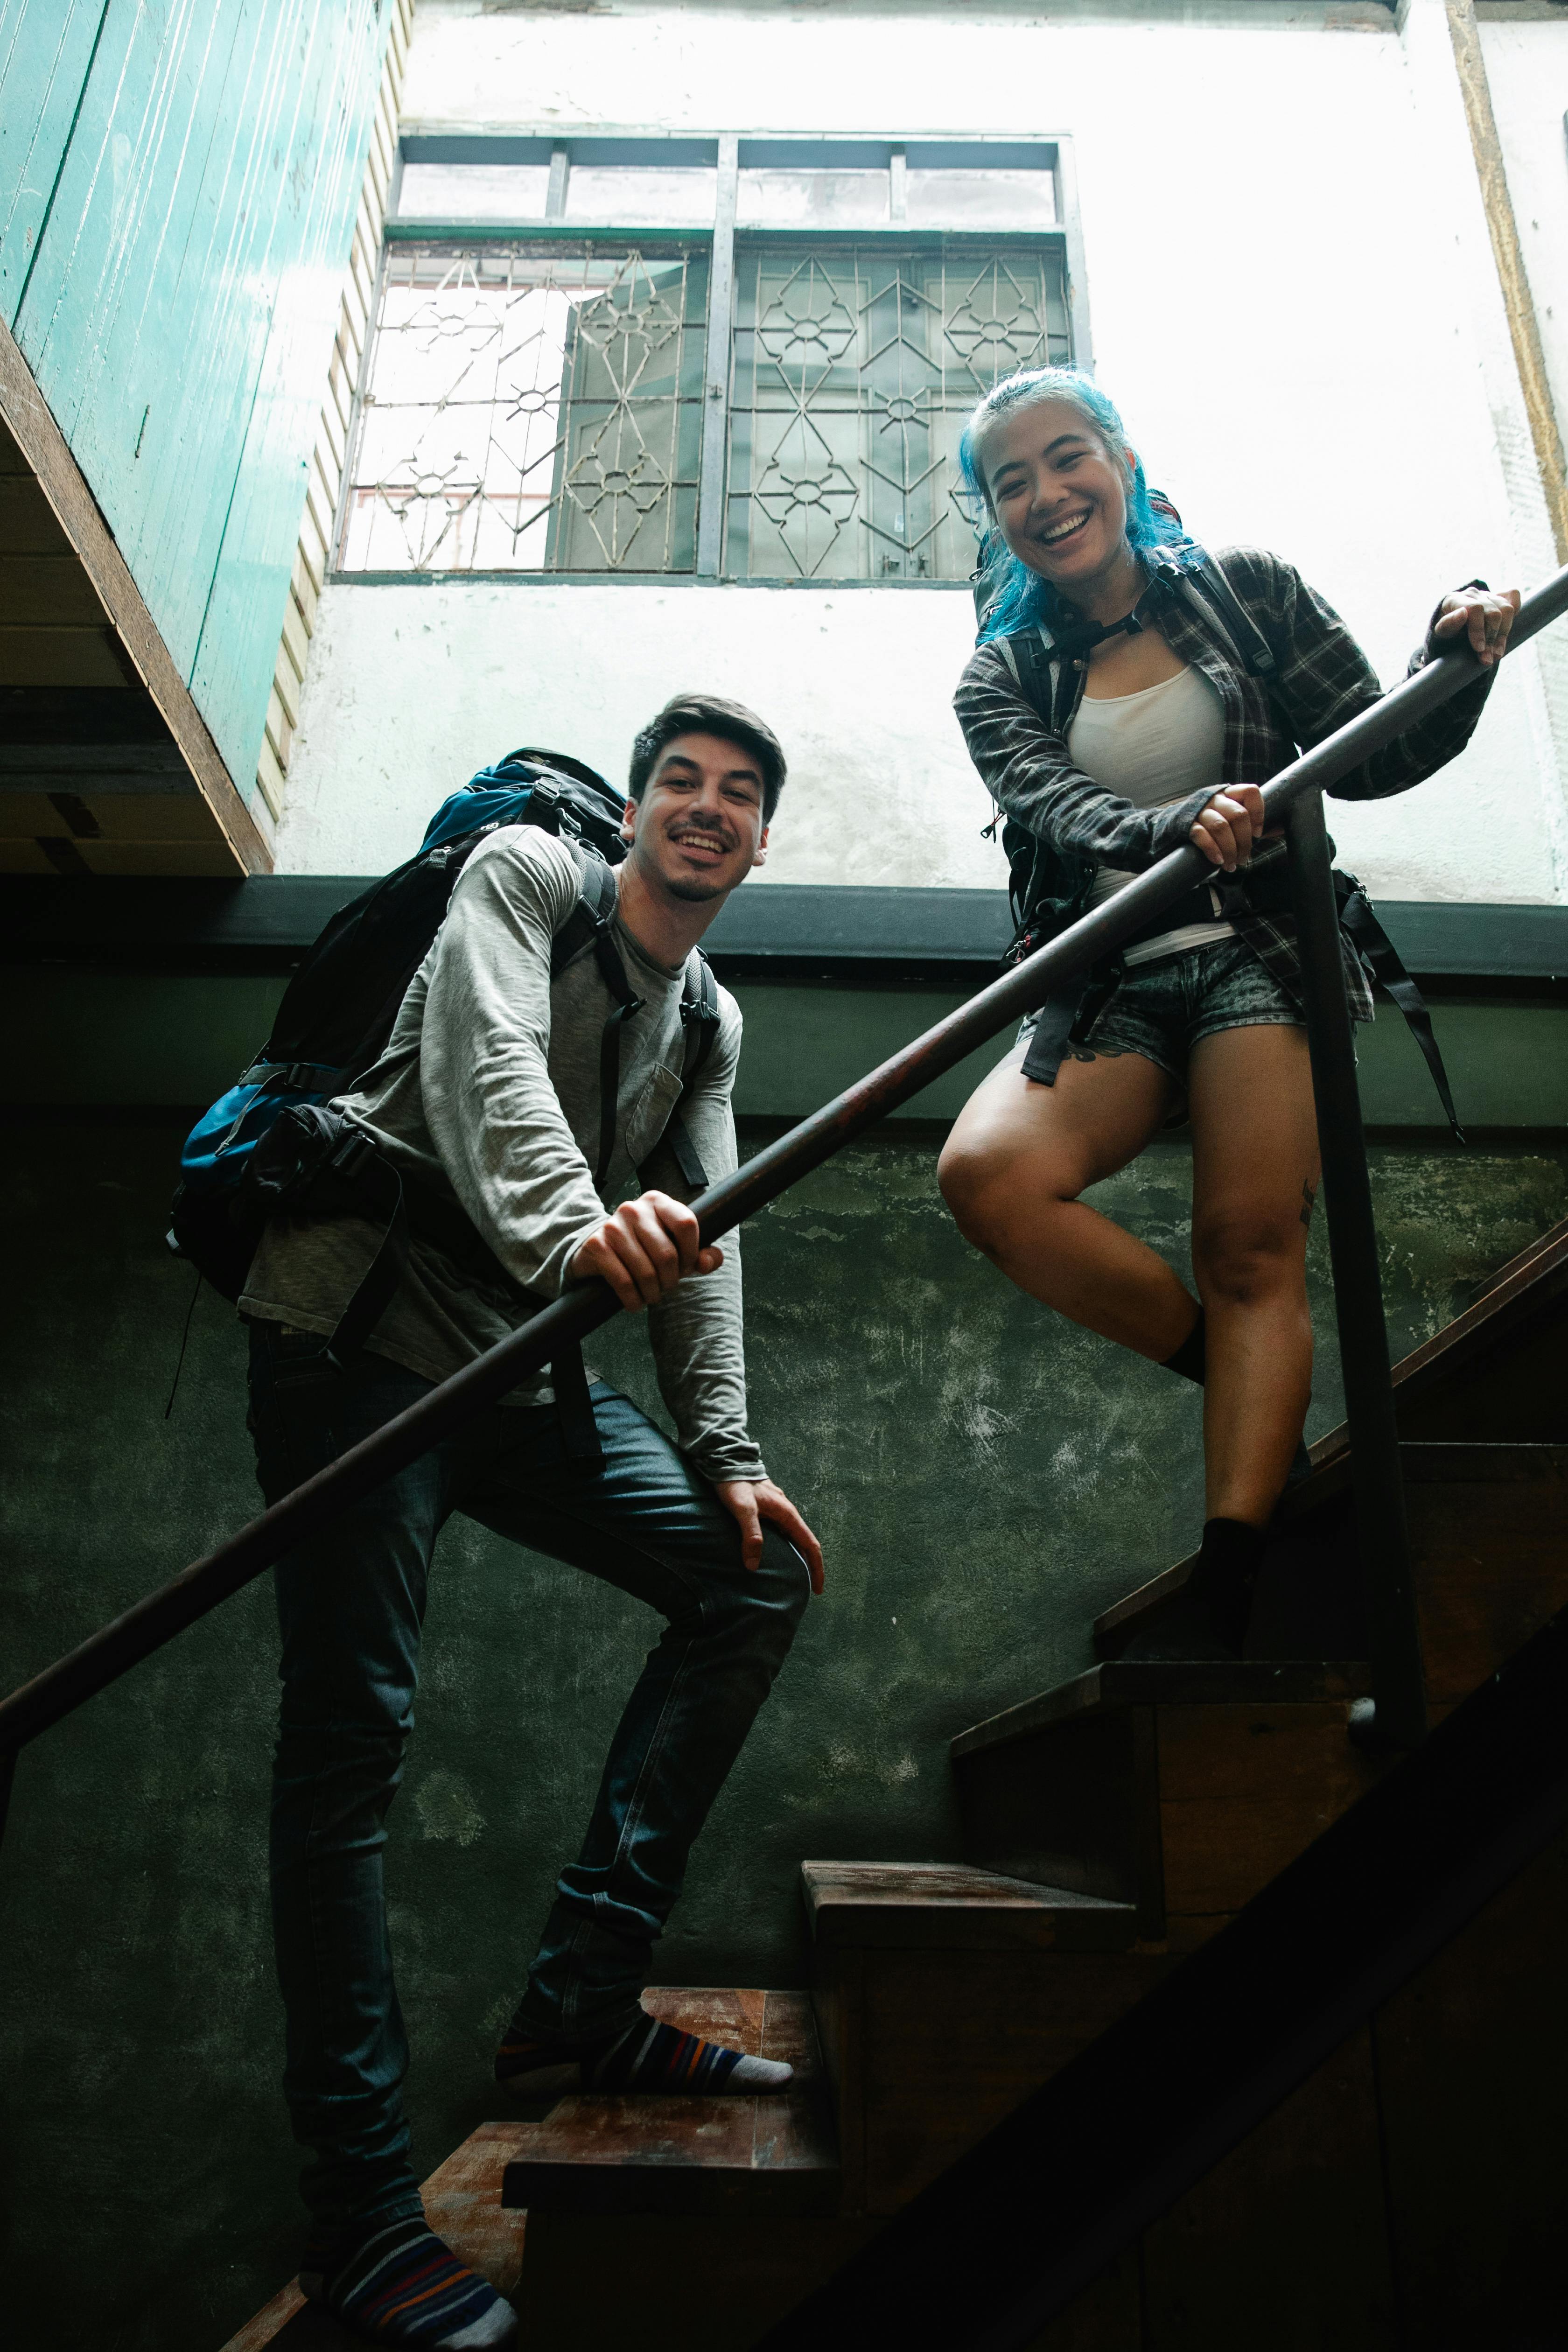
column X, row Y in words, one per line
column 728, row 153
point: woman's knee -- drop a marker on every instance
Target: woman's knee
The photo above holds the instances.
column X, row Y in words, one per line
column 1241, row 1260
column 985, row 1187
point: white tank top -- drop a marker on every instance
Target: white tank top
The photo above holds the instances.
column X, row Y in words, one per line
column 1152, row 748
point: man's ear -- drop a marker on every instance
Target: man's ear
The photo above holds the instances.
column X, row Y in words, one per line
column 760, row 855
column 629, row 823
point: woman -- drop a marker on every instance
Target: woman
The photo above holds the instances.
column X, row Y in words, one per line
column 1131, row 693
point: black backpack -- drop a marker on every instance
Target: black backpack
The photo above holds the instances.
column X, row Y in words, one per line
column 273, row 1145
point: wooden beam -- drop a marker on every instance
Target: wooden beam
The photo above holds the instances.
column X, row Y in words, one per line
column 28, row 415
column 1518, row 304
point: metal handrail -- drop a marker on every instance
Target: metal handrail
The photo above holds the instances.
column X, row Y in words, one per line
column 158, row 1616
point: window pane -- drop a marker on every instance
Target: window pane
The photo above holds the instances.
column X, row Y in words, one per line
column 770, row 198
column 532, row 410
column 682, row 195
column 473, row 192
column 981, row 199
column 853, row 373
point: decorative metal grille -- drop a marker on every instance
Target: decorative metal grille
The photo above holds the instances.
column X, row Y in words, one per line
column 851, row 377
column 532, row 410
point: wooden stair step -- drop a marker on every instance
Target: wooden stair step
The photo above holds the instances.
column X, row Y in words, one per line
column 941, row 1907
column 741, row 2156
column 1178, row 1788
column 1123, row 1683
column 1488, row 1544
column 946, row 1993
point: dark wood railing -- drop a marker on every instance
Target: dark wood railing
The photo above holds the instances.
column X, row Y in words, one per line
column 1293, row 797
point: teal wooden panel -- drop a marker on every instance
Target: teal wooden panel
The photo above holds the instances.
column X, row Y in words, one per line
column 178, row 318
column 45, row 46
column 232, row 674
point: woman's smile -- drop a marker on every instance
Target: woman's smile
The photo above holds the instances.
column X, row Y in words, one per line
column 1061, row 531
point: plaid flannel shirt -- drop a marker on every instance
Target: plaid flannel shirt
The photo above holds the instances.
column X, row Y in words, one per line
column 1322, row 680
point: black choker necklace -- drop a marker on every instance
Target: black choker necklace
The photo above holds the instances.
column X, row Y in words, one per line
column 1078, row 644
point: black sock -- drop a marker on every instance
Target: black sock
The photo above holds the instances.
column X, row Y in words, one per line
column 1225, row 1575
column 1190, row 1357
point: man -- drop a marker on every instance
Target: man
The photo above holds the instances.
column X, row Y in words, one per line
column 489, row 1094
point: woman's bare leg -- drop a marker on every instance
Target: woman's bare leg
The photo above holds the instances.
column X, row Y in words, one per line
column 1018, row 1157
column 1255, row 1178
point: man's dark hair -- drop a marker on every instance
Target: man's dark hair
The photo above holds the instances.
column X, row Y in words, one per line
column 710, row 714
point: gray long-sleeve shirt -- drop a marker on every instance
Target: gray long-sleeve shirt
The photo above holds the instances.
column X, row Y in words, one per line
column 487, row 1092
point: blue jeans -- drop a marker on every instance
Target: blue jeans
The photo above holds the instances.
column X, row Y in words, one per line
column 350, row 1605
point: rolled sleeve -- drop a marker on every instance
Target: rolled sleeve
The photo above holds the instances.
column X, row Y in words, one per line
column 698, row 1333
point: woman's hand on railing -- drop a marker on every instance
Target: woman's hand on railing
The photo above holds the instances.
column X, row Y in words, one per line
column 644, row 1250
column 1483, row 614
column 749, row 1502
column 1227, row 830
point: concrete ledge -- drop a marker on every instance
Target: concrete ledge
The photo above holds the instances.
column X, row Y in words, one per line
column 796, row 931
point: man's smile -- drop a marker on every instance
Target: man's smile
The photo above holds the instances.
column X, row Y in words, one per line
column 701, row 842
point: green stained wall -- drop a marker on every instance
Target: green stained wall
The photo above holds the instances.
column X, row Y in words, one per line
column 984, row 1477
column 178, row 181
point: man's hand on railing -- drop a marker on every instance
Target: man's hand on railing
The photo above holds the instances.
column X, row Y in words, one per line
column 1484, row 614
column 751, row 1501
column 644, row 1250
column 1227, row 830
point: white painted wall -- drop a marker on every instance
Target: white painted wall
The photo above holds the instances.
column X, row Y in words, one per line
column 1293, row 302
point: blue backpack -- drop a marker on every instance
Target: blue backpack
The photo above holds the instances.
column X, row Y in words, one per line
column 274, row 1145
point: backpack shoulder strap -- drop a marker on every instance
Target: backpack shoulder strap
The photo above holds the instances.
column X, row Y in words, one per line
column 1209, row 588
column 1037, row 673
column 590, row 928
column 589, row 922
column 699, row 1015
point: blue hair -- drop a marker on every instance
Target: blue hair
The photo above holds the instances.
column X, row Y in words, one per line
column 1023, row 600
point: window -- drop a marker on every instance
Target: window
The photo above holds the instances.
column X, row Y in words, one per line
column 532, row 410
column 851, row 377
column 723, row 359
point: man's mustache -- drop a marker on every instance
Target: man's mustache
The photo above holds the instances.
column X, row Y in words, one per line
column 716, row 826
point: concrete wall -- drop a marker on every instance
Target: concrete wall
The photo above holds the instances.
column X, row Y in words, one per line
column 177, row 193
column 985, row 1479
column 1293, row 303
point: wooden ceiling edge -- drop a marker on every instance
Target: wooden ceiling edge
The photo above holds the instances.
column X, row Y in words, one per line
column 39, row 436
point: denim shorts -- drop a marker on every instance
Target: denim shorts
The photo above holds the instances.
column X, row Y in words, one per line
column 1160, row 1010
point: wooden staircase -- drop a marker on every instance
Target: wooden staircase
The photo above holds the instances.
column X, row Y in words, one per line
column 1172, row 1793
column 1111, row 1826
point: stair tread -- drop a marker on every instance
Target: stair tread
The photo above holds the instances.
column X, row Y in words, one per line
column 1119, row 1682
column 1425, row 1461
column 767, row 2153
column 933, row 1906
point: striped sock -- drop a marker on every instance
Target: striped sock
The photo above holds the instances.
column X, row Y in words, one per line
column 402, row 2285
column 649, row 2057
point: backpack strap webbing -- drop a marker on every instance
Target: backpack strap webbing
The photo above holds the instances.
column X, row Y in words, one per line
column 699, row 1023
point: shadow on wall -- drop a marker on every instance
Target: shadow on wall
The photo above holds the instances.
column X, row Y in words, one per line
column 983, row 1477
